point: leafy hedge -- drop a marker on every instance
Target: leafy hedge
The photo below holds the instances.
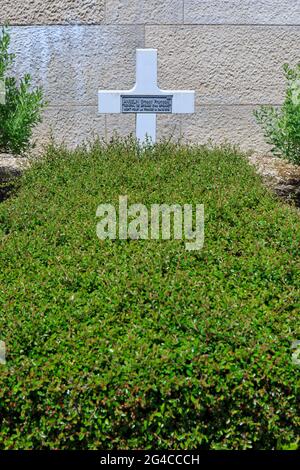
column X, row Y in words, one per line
column 141, row 344
column 282, row 125
column 22, row 107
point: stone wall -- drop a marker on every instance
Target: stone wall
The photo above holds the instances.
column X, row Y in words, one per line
column 230, row 51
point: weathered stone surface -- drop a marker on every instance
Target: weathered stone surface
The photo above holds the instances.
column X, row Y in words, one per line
column 144, row 11
column 73, row 62
column 71, row 125
column 279, row 175
column 119, row 124
column 225, row 65
column 10, row 166
column 168, row 127
column 242, row 11
column 234, row 124
column 74, row 125
column 43, row 12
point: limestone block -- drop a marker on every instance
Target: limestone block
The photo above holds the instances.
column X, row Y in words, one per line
column 71, row 125
column 144, row 11
column 74, row 125
column 225, row 65
column 234, row 124
column 242, row 12
column 119, row 125
column 231, row 124
column 73, row 62
column 43, row 12
column 168, row 127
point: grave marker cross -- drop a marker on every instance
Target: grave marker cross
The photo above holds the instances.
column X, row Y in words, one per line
column 146, row 99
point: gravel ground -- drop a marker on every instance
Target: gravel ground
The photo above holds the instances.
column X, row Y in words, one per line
column 10, row 167
column 279, row 175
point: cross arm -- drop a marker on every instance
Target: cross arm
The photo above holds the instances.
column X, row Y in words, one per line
column 109, row 101
column 183, row 101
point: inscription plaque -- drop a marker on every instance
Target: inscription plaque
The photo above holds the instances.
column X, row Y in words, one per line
column 146, row 104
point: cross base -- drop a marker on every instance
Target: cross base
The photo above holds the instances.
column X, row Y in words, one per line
column 146, row 127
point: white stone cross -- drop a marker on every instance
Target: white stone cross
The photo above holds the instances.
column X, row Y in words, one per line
column 146, row 99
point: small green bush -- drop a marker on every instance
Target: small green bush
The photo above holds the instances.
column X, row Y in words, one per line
column 140, row 344
column 22, row 108
column 282, row 126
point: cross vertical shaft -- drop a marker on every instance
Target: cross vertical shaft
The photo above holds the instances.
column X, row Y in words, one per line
column 146, row 127
column 146, row 71
column 146, row 82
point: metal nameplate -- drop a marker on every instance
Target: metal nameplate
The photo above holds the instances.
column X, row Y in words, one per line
column 146, row 104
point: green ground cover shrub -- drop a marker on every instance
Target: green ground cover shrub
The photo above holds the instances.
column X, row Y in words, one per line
column 141, row 344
